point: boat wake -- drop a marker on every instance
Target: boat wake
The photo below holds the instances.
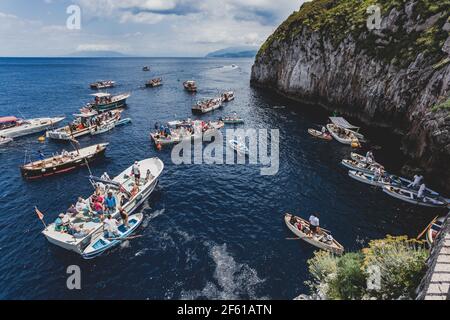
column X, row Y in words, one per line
column 229, row 67
column 233, row 280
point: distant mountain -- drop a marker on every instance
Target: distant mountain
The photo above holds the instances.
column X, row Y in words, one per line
column 97, row 54
column 234, row 52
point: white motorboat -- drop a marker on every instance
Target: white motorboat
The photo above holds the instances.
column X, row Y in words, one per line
column 12, row 127
column 227, row 96
column 83, row 124
column 121, row 186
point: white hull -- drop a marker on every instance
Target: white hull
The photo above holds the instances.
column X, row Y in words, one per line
column 67, row 242
column 335, row 247
column 336, row 136
column 31, row 126
column 411, row 197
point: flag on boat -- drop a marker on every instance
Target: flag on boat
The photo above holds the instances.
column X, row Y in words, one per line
column 39, row 214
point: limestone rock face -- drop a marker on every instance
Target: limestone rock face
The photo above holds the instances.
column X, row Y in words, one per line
column 352, row 75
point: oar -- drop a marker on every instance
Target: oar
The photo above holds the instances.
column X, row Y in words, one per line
column 123, row 239
column 425, row 230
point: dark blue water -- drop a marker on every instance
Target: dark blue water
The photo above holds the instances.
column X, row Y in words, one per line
column 210, row 231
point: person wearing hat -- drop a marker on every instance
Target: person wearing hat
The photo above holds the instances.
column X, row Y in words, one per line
column 61, row 223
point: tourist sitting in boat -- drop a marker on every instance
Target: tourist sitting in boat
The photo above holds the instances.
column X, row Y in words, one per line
column 72, row 211
column 62, row 223
column 148, row 176
column 293, row 220
column 110, row 203
column 416, row 183
column 369, row 157
column 314, row 223
column 111, row 226
column 79, row 233
column 124, row 216
column 82, row 205
column 98, row 207
column 123, row 200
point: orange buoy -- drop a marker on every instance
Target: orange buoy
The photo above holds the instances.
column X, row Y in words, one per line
column 158, row 146
column 41, row 139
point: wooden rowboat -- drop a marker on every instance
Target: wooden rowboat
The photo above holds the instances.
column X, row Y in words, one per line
column 433, row 230
column 412, row 197
column 320, row 135
column 318, row 240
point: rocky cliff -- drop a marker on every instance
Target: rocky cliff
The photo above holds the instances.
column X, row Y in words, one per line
column 394, row 74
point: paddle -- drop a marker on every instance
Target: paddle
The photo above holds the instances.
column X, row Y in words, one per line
column 124, row 239
column 425, row 230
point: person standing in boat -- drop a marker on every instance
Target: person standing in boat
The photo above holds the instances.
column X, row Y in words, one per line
column 421, row 191
column 314, row 223
column 124, row 216
column 136, row 172
column 111, row 226
column 417, row 181
column 369, row 156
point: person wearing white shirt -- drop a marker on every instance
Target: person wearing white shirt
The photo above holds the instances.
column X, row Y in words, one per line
column 111, row 226
column 421, row 190
column 81, row 205
column 314, row 222
column 416, row 182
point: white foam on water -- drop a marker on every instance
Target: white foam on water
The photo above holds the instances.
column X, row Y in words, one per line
column 141, row 252
column 233, row 280
column 125, row 244
column 152, row 216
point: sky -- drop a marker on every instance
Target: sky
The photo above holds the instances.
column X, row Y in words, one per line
column 158, row 28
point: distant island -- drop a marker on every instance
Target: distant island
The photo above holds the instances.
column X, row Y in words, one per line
column 234, row 52
column 97, row 54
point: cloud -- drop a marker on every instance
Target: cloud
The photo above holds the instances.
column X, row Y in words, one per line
column 147, row 27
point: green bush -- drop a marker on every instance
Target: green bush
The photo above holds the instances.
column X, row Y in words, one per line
column 401, row 263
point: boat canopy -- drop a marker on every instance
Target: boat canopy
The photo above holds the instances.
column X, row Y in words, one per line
column 8, row 119
column 341, row 122
column 101, row 94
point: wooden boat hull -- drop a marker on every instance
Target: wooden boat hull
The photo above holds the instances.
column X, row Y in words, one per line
column 335, row 247
column 320, row 135
column 37, row 173
column 358, row 166
column 433, row 231
column 101, row 244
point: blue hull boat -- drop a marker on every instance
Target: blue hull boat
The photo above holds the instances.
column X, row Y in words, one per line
column 123, row 121
column 103, row 243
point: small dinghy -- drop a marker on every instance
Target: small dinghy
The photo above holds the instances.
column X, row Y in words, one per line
column 320, row 134
column 379, row 181
column 227, row 96
column 154, row 83
column 123, row 121
column 433, row 230
column 300, row 227
column 146, row 68
column 238, row 147
column 359, row 166
column 207, row 105
column 412, row 197
column 5, row 140
column 103, row 128
column 190, row 86
column 103, row 242
column 342, row 135
column 102, row 84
